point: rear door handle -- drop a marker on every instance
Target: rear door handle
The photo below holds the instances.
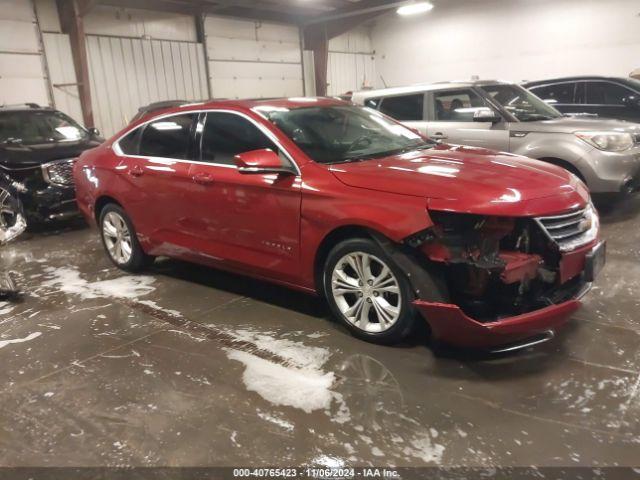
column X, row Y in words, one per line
column 439, row 136
column 136, row 171
column 203, row 179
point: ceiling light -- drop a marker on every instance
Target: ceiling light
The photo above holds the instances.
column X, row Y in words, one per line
column 415, row 8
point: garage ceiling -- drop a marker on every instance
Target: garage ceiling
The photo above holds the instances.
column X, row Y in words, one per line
column 289, row 11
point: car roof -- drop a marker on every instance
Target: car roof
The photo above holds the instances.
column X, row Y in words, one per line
column 243, row 104
column 424, row 87
column 26, row 107
column 575, row 78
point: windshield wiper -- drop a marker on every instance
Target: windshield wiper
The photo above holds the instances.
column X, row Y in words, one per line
column 396, row 151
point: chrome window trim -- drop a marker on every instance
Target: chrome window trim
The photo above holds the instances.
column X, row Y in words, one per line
column 268, row 133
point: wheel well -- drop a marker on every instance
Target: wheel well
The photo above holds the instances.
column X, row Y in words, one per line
column 330, row 241
column 564, row 164
column 101, row 203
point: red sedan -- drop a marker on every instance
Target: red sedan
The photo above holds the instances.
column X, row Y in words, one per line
column 490, row 249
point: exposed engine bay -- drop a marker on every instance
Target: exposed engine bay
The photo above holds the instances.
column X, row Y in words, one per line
column 498, row 266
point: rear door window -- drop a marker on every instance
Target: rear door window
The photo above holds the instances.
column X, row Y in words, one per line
column 456, row 105
column 168, row 137
column 558, row 93
column 404, row 107
column 605, row 93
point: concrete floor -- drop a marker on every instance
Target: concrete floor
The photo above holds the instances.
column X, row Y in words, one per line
column 192, row 367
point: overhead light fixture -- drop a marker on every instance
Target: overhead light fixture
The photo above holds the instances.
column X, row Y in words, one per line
column 415, row 8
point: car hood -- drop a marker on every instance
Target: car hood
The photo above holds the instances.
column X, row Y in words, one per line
column 576, row 124
column 25, row 156
column 470, row 180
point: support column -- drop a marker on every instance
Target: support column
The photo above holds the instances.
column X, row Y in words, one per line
column 320, row 64
column 71, row 19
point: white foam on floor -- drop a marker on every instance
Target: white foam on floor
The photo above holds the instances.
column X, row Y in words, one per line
column 300, row 383
column 305, row 388
column 296, row 353
column 68, row 280
column 6, row 307
column 280, row 422
column 155, row 306
column 425, row 448
column 31, row 336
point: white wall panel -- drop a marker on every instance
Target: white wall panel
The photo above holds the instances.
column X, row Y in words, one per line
column 129, row 73
column 62, row 74
column 18, row 36
column 47, row 12
column 253, row 59
column 351, row 64
column 21, row 10
column 22, row 75
column 512, row 40
column 130, row 22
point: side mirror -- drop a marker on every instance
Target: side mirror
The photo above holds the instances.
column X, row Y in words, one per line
column 261, row 161
column 94, row 132
column 486, row 115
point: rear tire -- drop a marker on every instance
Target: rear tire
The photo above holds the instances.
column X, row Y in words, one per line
column 367, row 292
column 120, row 240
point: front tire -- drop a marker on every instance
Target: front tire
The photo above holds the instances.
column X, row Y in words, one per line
column 368, row 293
column 120, row 241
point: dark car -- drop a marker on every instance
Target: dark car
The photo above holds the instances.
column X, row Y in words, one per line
column 38, row 147
column 607, row 97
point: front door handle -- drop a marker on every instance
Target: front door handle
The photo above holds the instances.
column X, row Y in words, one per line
column 136, row 171
column 439, row 136
column 203, row 179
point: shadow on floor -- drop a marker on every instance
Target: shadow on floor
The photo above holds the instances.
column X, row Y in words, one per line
column 261, row 291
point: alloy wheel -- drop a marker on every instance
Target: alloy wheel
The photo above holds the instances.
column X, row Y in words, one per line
column 366, row 292
column 117, row 238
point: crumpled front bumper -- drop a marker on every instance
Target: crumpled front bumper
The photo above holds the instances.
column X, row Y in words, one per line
column 451, row 325
column 47, row 203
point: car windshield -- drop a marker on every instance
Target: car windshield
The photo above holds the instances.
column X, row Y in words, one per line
column 38, row 127
column 337, row 134
column 520, row 103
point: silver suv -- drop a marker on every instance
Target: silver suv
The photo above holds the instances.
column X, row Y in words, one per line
column 605, row 154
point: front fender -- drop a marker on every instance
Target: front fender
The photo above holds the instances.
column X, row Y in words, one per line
column 562, row 146
column 391, row 215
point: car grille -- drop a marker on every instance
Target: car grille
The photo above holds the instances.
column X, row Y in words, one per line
column 59, row 172
column 571, row 230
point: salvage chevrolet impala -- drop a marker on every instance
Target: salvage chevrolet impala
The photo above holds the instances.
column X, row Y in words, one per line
column 491, row 250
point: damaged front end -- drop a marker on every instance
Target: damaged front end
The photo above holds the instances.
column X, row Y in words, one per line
column 12, row 224
column 508, row 278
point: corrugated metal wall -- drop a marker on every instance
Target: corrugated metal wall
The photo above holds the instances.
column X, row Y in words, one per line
column 127, row 73
column 253, row 59
column 62, row 74
column 22, row 72
column 351, row 64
